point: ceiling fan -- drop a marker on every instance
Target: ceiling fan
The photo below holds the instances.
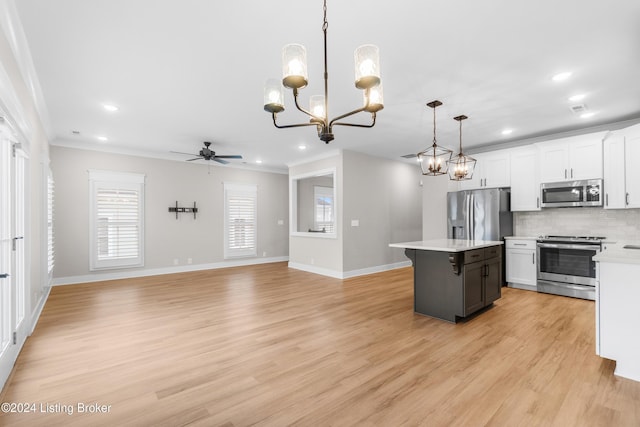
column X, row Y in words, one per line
column 207, row 154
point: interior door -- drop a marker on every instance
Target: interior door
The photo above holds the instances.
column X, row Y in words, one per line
column 13, row 303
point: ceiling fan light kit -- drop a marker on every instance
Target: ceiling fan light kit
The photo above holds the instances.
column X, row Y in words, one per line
column 295, row 77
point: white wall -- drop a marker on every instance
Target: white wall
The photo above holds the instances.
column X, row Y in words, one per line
column 166, row 238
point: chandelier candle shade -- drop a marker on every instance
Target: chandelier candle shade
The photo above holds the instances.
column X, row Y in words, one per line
column 461, row 166
column 295, row 77
column 434, row 160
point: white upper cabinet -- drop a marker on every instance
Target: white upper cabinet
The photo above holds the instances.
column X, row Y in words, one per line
column 632, row 171
column 493, row 170
column 525, row 183
column 614, row 172
column 568, row 159
column 621, row 177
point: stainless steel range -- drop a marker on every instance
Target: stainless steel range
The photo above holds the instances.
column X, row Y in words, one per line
column 565, row 265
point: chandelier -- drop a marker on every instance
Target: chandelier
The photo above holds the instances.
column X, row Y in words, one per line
column 461, row 166
column 294, row 77
column 434, row 160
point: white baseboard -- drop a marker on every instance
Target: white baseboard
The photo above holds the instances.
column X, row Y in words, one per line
column 99, row 277
column 35, row 316
column 348, row 274
column 376, row 269
column 316, row 270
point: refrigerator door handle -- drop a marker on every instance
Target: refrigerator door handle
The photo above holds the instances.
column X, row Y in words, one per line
column 471, row 216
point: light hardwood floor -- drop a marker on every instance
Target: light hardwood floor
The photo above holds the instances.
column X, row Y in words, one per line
column 269, row 345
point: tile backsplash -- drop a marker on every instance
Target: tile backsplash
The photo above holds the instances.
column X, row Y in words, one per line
column 614, row 224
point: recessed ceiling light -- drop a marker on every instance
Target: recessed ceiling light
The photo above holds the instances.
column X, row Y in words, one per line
column 110, row 107
column 587, row 115
column 507, row 131
column 75, row 132
column 561, row 76
column 258, row 161
column 103, row 138
column 302, row 147
column 578, row 97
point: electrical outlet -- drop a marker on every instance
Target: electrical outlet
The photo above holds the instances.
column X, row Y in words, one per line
column 264, row 253
column 189, row 261
column 175, row 261
column 312, row 261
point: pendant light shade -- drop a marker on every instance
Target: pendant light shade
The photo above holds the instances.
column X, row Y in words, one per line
column 461, row 166
column 434, row 160
column 295, row 77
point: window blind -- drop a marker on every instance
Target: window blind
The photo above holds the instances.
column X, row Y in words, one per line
column 50, row 250
column 240, row 227
column 117, row 220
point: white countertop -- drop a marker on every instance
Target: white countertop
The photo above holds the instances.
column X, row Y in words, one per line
column 616, row 253
column 446, row 245
column 520, row 238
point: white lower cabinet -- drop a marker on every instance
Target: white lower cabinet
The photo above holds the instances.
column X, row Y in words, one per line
column 521, row 267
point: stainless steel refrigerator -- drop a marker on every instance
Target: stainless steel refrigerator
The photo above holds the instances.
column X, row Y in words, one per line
column 479, row 214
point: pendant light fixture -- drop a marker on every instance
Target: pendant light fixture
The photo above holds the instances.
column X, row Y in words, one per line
column 294, row 77
column 434, row 160
column 461, row 166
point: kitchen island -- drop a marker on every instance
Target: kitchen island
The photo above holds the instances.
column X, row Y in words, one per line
column 453, row 278
column 617, row 314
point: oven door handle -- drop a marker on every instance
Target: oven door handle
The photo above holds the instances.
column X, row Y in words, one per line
column 569, row 246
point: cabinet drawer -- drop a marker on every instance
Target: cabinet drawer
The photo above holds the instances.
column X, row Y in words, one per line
column 492, row 252
column 521, row 244
column 473, row 255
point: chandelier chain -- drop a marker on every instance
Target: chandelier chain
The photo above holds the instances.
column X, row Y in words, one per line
column 325, row 24
column 434, row 126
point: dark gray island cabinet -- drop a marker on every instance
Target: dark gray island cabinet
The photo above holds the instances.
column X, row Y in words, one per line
column 453, row 279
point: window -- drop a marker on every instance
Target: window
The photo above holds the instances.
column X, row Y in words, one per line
column 323, row 209
column 50, row 252
column 116, row 235
column 240, row 220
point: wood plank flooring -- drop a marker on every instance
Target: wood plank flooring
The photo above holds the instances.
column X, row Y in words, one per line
column 271, row 346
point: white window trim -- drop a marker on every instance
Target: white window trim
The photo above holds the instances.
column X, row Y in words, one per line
column 121, row 180
column 249, row 189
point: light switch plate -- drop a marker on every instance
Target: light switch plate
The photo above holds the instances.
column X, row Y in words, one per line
column 355, row 223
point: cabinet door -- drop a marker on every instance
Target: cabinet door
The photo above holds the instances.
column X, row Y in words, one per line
column 496, row 169
column 473, row 289
column 585, row 157
column 614, row 172
column 525, row 184
column 492, row 280
column 554, row 160
column 632, row 154
column 521, row 266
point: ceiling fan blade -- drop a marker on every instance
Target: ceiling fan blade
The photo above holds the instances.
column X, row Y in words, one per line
column 230, row 157
column 178, row 152
column 224, row 162
column 191, row 160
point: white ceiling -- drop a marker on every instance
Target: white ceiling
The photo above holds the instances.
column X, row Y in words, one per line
column 187, row 71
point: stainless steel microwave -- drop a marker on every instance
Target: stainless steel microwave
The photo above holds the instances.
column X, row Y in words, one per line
column 571, row 193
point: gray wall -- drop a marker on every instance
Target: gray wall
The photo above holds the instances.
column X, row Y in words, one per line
column 385, row 197
column 166, row 238
column 306, row 202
